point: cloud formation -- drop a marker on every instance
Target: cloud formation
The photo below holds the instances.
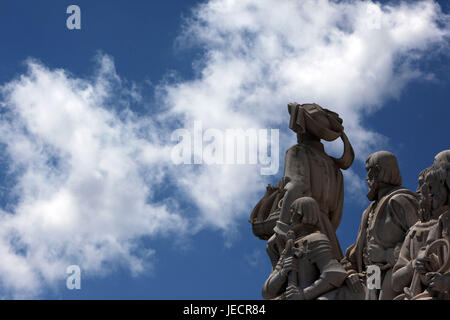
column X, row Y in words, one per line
column 85, row 179
column 88, row 172
column 350, row 57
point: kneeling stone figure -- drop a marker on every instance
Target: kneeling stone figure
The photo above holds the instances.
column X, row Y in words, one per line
column 306, row 269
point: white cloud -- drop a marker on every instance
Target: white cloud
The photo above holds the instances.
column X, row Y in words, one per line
column 85, row 178
column 350, row 57
column 254, row 258
column 263, row 53
column 89, row 171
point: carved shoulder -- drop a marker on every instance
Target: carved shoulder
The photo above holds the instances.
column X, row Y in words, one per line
column 404, row 207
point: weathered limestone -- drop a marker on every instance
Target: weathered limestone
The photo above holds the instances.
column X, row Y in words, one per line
column 404, row 235
column 384, row 224
column 422, row 271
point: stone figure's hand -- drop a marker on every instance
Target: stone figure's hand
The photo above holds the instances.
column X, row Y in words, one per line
column 419, row 265
column 290, row 264
column 354, row 282
column 280, row 241
column 293, row 293
column 438, row 282
column 376, row 253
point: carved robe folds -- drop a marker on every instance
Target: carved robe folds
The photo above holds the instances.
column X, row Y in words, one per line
column 384, row 225
column 415, row 240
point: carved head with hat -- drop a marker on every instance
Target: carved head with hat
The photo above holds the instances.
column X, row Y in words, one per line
column 311, row 121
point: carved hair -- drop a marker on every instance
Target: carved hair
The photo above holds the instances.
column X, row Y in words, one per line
column 442, row 157
column 441, row 172
column 308, row 206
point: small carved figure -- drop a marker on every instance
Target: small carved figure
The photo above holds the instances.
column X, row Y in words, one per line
column 308, row 172
column 306, row 269
column 383, row 227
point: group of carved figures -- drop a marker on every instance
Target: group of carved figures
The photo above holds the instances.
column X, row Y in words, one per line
column 403, row 238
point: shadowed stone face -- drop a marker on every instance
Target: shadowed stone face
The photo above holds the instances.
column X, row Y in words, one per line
column 304, row 214
column 432, row 190
column 372, row 181
column 424, row 200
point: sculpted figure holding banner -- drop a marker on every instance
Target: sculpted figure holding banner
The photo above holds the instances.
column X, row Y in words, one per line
column 383, row 226
column 308, row 172
column 306, row 269
column 422, row 270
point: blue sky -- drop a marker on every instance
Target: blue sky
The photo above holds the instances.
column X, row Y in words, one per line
column 85, row 170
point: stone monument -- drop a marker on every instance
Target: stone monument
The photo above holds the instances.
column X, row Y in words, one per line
column 422, row 271
column 308, row 172
column 403, row 234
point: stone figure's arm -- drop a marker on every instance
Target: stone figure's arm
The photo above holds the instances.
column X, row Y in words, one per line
column 434, row 234
column 299, row 185
column 332, row 274
column 403, row 210
column 349, row 262
column 336, row 215
column 403, row 271
column 276, row 283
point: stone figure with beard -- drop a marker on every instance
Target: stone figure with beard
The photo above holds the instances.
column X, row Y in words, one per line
column 439, row 282
column 414, row 272
column 383, row 227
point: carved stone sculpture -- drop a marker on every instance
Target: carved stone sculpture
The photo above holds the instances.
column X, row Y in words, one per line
column 308, row 172
column 422, row 271
column 383, row 226
column 306, row 269
column 403, row 238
